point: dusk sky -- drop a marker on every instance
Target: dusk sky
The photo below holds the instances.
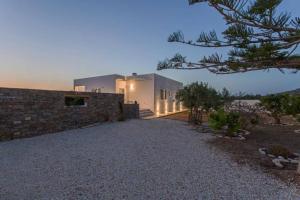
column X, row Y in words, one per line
column 48, row 43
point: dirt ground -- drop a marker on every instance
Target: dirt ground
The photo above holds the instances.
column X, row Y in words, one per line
column 246, row 152
column 182, row 116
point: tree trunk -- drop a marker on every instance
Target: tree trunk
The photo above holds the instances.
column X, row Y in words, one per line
column 201, row 118
column 277, row 119
column 191, row 115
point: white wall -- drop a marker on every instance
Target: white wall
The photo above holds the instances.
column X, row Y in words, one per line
column 106, row 83
column 145, row 89
column 172, row 86
column 140, row 88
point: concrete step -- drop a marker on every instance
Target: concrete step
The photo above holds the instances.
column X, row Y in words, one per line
column 146, row 113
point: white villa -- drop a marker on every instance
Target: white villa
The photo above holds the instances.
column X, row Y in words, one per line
column 151, row 91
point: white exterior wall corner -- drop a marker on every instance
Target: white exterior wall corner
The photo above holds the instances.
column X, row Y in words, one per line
column 145, row 89
column 163, row 83
column 142, row 91
column 107, row 83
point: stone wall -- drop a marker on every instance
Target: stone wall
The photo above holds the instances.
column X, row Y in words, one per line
column 131, row 111
column 26, row 112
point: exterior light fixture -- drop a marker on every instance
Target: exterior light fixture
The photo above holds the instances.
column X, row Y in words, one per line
column 157, row 109
column 131, row 86
column 166, row 107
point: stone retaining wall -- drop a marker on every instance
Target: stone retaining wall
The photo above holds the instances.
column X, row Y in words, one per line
column 26, row 112
column 131, row 111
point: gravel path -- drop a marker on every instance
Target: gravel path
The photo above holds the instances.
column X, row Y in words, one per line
column 137, row 159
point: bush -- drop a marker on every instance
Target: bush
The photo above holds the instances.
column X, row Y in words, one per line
column 75, row 101
column 217, row 120
column 278, row 150
column 248, row 120
column 121, row 116
column 298, row 118
column 233, row 123
column 220, row 120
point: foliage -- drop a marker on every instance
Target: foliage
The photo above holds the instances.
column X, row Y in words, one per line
column 199, row 98
column 258, row 38
column 293, row 105
column 221, row 119
column 244, row 96
column 75, row 101
column 278, row 150
column 281, row 104
column 248, row 120
column 233, row 122
column 218, row 120
column 121, row 116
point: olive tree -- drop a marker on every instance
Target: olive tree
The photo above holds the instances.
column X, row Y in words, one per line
column 281, row 104
column 199, row 98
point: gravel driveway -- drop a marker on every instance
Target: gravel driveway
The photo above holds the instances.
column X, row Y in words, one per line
column 137, row 159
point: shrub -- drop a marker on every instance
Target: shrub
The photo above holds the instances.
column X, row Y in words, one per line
column 75, row 101
column 233, row 123
column 121, row 116
column 220, row 120
column 217, row 120
column 248, row 120
column 278, row 150
column 255, row 120
column 298, row 118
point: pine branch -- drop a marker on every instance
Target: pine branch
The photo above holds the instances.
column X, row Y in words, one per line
column 259, row 37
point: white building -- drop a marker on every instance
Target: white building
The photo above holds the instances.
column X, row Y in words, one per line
column 150, row 91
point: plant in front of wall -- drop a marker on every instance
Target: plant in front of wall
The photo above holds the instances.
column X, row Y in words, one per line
column 121, row 116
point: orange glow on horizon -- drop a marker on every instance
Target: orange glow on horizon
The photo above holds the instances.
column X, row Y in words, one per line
column 36, row 85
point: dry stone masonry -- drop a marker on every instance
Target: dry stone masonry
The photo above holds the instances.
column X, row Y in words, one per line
column 26, row 112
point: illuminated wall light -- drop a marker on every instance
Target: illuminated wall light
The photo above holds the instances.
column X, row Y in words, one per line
column 166, row 107
column 174, row 106
column 157, row 108
column 131, row 87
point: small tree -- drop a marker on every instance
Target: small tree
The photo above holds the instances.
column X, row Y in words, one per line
column 293, row 105
column 199, row 98
column 282, row 104
column 229, row 120
column 276, row 104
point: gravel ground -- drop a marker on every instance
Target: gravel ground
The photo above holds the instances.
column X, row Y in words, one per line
column 137, row 159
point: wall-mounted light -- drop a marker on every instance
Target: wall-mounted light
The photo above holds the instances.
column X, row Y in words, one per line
column 174, row 106
column 157, row 109
column 131, row 87
column 166, row 107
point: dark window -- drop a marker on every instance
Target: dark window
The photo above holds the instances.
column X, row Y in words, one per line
column 162, row 94
column 75, row 101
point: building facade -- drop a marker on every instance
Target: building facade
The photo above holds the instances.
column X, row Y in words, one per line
column 150, row 91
